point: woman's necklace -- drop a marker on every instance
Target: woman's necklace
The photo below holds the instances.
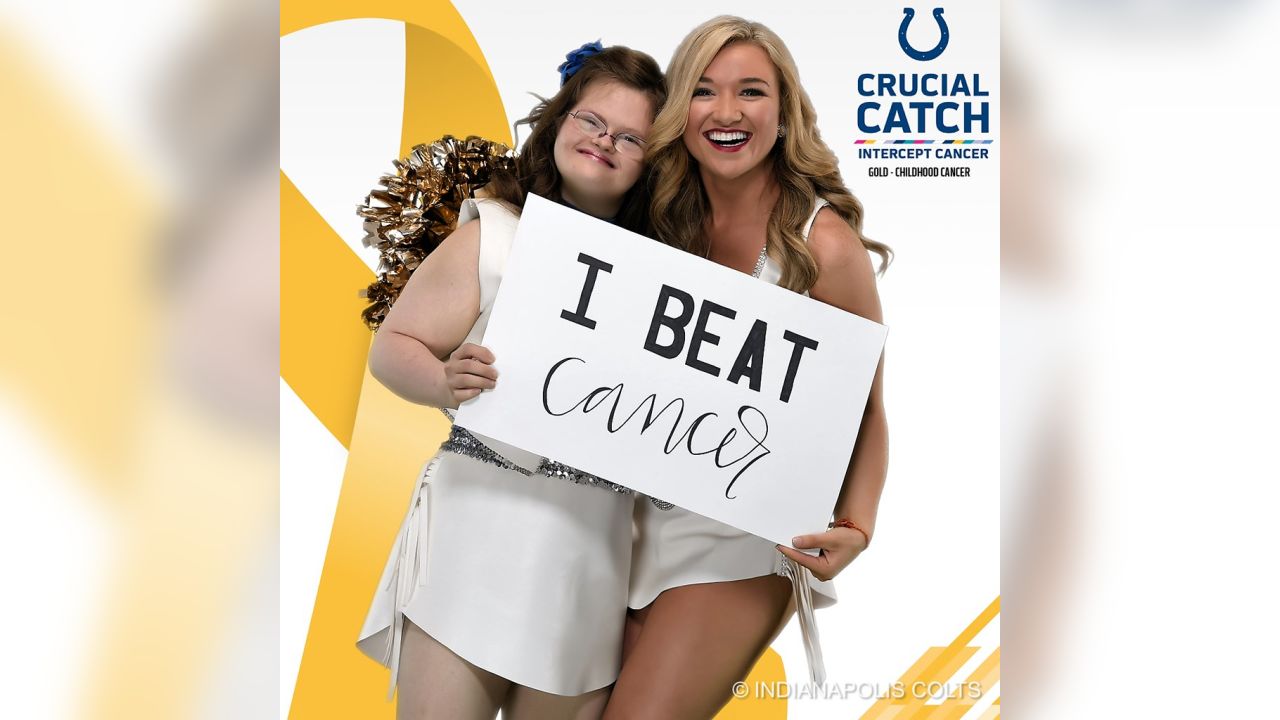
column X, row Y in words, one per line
column 760, row 261
column 764, row 250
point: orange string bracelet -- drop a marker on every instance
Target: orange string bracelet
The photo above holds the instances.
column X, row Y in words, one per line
column 847, row 523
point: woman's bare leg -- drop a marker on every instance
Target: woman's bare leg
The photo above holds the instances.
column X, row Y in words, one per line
column 434, row 683
column 528, row 704
column 631, row 630
column 695, row 642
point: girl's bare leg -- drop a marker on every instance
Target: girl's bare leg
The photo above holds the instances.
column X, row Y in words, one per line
column 528, row 704
column 694, row 642
column 436, row 684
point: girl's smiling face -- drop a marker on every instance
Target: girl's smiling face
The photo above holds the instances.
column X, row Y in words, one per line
column 594, row 174
column 734, row 112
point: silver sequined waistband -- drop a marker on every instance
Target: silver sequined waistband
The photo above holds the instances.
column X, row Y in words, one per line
column 463, row 442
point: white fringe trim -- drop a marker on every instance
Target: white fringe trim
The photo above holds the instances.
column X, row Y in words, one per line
column 799, row 576
column 410, row 569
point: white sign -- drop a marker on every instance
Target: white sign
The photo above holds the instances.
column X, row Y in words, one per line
column 674, row 376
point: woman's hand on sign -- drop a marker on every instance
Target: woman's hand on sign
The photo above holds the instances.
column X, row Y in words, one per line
column 837, row 548
column 469, row 371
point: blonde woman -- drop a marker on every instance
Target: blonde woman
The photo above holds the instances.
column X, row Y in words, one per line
column 743, row 178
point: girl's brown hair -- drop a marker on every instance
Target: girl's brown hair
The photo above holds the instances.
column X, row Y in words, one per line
column 536, row 171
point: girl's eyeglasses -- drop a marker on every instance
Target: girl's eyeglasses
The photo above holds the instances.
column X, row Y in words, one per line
column 591, row 125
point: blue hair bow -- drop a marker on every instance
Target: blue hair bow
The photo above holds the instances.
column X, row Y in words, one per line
column 573, row 61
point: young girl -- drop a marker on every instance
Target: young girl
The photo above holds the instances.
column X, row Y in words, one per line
column 510, row 571
column 742, row 177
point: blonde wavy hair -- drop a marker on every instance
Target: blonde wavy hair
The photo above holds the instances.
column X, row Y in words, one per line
column 805, row 168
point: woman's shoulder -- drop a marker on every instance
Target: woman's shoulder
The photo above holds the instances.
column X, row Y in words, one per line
column 833, row 242
column 846, row 277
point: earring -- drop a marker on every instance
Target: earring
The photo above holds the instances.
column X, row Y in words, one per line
column 782, row 131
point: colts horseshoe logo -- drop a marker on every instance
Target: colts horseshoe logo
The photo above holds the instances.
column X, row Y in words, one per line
column 909, row 14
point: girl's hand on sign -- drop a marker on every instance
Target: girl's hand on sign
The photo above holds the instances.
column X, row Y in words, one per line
column 837, row 548
column 469, row 371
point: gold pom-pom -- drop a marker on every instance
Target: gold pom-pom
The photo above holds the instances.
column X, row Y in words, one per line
column 411, row 211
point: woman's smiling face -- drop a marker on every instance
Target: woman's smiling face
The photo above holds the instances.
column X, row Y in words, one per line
column 734, row 112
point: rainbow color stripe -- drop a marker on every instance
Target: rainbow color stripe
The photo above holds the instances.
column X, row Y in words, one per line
column 865, row 141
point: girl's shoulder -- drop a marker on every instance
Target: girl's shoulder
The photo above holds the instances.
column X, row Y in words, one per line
column 483, row 207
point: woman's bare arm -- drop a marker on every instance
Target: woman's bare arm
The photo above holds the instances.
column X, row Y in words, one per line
column 846, row 279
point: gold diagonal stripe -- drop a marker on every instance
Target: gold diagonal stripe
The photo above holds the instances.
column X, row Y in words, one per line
column 930, row 667
column 447, row 90
column 948, row 662
column 439, row 15
column 323, row 343
column 391, row 440
column 458, row 104
column 917, row 708
column 961, row 700
column 926, row 669
column 768, row 672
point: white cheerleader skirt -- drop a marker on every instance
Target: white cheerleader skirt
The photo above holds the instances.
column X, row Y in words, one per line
column 522, row 575
column 675, row 547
